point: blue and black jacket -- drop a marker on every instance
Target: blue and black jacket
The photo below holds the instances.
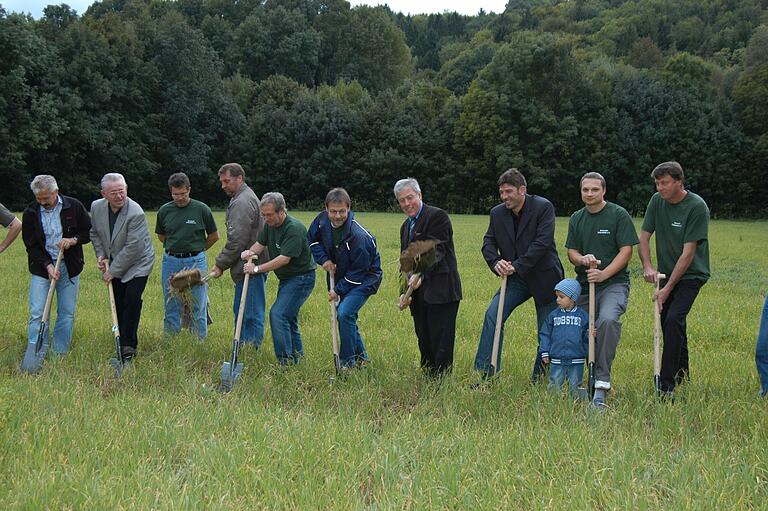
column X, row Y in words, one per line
column 564, row 337
column 357, row 260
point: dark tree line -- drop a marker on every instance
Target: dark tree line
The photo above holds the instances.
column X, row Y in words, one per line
column 310, row 94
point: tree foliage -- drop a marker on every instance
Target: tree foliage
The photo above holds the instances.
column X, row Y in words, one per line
column 310, row 94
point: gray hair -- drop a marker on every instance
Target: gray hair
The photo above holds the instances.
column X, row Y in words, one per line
column 408, row 182
column 276, row 199
column 44, row 183
column 112, row 177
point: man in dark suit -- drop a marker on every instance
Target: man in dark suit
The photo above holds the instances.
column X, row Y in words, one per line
column 120, row 236
column 519, row 243
column 437, row 290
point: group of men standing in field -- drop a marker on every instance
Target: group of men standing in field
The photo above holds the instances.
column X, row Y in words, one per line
column 261, row 237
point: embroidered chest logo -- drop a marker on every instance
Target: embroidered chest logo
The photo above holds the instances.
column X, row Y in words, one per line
column 677, row 224
column 603, row 232
column 191, row 222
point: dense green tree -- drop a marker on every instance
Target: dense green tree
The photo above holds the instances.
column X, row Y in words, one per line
column 30, row 107
column 458, row 72
column 375, row 53
column 312, row 93
column 103, row 104
column 524, row 110
column 651, row 120
column 645, row 54
column 194, row 124
column 277, row 41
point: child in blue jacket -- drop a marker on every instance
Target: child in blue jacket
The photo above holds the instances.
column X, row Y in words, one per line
column 563, row 341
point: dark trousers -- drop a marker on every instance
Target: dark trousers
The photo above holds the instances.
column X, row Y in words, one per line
column 674, row 359
column 128, row 303
column 435, row 326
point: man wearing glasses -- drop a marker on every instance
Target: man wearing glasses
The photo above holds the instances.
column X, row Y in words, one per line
column 120, row 237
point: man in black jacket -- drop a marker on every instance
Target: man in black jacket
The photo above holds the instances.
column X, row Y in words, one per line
column 51, row 223
column 437, row 290
column 519, row 243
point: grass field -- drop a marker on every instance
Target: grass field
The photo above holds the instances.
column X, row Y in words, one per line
column 161, row 437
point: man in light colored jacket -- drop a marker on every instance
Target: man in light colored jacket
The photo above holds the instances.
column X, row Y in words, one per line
column 121, row 237
column 244, row 223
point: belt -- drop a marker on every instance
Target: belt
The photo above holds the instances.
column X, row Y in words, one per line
column 182, row 255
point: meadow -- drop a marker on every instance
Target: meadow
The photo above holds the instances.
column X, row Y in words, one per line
column 163, row 437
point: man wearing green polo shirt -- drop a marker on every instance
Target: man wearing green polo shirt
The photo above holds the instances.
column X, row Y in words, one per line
column 680, row 219
column 186, row 228
column 286, row 239
column 602, row 231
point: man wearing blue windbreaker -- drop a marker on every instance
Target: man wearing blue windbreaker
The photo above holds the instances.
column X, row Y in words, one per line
column 343, row 247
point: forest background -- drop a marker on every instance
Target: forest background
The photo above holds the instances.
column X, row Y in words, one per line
column 311, row 94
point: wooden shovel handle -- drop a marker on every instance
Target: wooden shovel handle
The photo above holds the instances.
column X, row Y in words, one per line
column 51, row 287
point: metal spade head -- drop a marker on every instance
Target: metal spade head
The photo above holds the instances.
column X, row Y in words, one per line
column 32, row 362
column 230, row 375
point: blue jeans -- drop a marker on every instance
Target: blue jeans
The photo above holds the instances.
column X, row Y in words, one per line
column 66, row 302
column 252, row 329
column 517, row 293
column 573, row 372
column 284, row 316
column 199, row 295
column 352, row 348
column 761, row 349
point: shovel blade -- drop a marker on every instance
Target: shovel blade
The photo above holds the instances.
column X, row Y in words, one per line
column 230, row 375
column 32, row 362
column 118, row 365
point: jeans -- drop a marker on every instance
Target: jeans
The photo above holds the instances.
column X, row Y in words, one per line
column 517, row 293
column 573, row 372
column 284, row 317
column 674, row 358
column 351, row 349
column 610, row 305
column 198, row 295
column 252, row 329
column 761, row 350
column 66, row 302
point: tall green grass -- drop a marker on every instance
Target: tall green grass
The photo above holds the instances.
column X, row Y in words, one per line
column 162, row 437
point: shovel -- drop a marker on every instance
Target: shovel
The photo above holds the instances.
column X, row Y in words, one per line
column 591, row 359
column 657, row 337
column 231, row 371
column 116, row 362
column 33, row 358
column 334, row 333
column 406, row 301
column 497, row 332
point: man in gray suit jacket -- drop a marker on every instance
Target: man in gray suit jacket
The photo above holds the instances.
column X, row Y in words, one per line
column 121, row 237
column 519, row 243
